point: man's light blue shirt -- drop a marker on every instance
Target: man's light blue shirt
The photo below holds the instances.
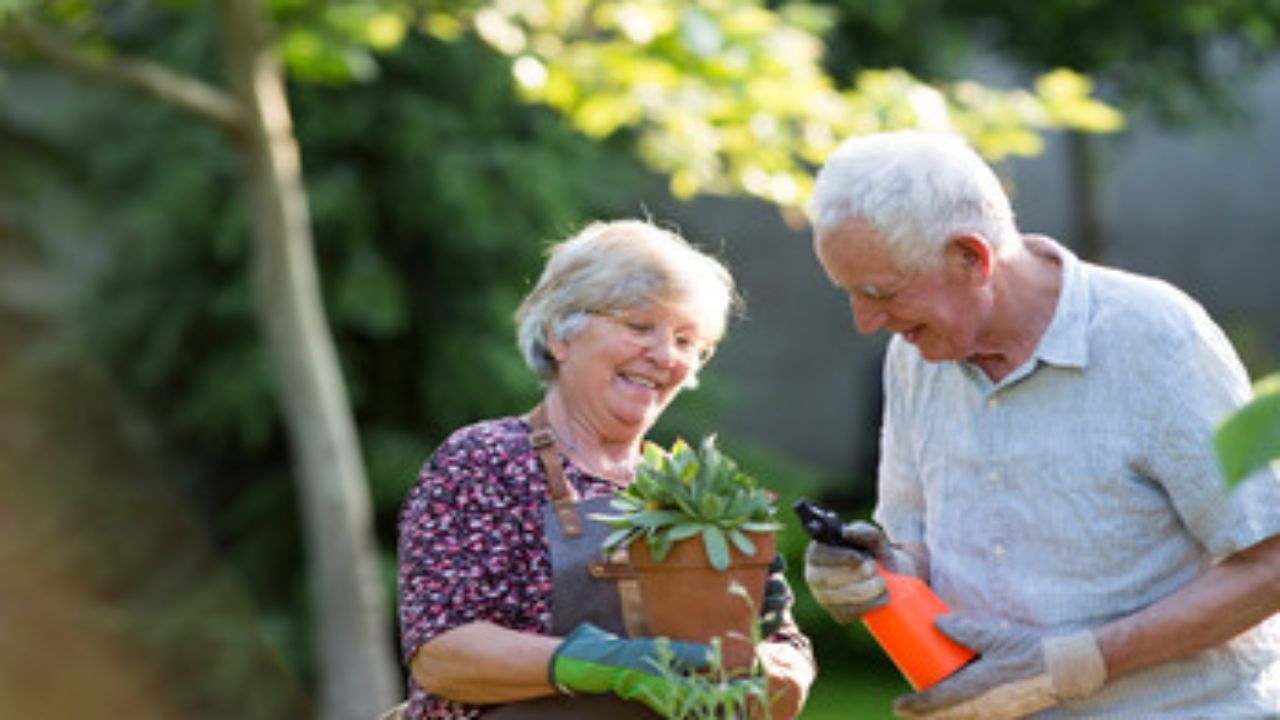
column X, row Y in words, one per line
column 1083, row 487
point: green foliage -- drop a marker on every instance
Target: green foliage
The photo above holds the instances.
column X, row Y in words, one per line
column 853, row 691
column 1178, row 61
column 12, row 7
column 686, row 493
column 1250, row 437
column 433, row 192
column 337, row 43
column 731, row 96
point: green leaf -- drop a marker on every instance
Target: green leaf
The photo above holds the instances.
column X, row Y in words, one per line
column 656, row 518
column 1250, row 437
column 717, row 549
column 613, row 521
column 659, row 545
column 742, row 542
column 618, row 538
column 710, row 506
column 653, row 456
column 683, row 531
column 647, row 483
column 688, row 471
column 736, row 500
column 626, row 504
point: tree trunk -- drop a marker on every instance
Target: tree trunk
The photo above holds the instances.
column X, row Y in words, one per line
column 1083, row 166
column 357, row 672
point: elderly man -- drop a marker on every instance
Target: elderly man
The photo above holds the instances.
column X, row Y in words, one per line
column 1047, row 460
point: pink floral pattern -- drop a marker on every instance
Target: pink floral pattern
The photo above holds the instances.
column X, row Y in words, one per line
column 471, row 544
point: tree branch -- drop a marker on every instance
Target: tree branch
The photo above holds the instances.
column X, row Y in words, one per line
column 192, row 95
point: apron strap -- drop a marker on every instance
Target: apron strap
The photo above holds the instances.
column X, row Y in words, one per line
column 614, row 569
column 562, row 495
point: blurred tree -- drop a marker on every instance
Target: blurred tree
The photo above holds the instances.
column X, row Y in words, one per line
column 1176, row 60
column 723, row 96
column 730, row 96
column 1180, row 63
column 357, row 668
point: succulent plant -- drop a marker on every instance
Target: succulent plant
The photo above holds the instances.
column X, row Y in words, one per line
column 682, row 493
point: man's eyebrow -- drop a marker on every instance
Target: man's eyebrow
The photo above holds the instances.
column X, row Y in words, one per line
column 873, row 291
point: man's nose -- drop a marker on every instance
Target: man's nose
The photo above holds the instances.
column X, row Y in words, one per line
column 866, row 315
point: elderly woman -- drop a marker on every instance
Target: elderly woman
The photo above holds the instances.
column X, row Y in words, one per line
column 500, row 615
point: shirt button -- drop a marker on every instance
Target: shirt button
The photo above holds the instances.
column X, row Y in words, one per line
column 998, row 551
column 993, row 403
column 993, row 477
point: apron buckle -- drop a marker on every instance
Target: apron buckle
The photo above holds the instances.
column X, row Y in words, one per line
column 610, row 570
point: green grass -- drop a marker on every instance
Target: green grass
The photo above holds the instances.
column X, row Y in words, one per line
column 856, row 680
column 843, row 694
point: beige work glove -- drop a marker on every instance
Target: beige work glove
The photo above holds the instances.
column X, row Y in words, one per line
column 844, row 580
column 1019, row 672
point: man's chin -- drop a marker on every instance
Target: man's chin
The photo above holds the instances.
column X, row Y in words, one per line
column 935, row 354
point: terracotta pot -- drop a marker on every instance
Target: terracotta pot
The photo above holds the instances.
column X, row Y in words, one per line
column 687, row 599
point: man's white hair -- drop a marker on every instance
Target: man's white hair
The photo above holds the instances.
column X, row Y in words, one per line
column 916, row 190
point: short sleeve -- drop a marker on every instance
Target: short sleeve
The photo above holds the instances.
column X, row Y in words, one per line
column 470, row 543
column 1201, row 385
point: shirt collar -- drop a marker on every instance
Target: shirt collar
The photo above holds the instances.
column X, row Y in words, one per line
column 1065, row 342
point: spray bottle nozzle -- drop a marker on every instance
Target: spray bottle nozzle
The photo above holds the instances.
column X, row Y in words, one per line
column 823, row 526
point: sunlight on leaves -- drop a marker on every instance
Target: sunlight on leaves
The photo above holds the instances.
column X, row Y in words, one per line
column 1065, row 95
column 721, row 96
column 385, row 30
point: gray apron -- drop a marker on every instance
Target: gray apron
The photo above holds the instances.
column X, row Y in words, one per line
column 583, row 589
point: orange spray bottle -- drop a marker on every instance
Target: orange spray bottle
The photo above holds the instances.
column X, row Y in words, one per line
column 904, row 627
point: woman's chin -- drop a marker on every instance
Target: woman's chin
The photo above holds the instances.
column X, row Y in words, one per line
column 638, row 418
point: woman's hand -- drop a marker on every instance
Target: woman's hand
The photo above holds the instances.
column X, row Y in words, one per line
column 790, row 673
column 591, row 660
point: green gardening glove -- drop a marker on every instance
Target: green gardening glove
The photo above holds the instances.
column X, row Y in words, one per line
column 590, row 660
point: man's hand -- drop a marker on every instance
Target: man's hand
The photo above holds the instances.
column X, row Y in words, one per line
column 1019, row 672
column 590, row 660
column 843, row 580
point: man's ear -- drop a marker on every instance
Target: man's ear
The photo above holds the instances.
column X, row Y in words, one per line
column 970, row 255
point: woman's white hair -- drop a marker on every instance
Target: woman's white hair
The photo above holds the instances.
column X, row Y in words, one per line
column 620, row 265
column 916, row 190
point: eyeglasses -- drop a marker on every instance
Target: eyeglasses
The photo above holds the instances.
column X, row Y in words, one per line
column 647, row 328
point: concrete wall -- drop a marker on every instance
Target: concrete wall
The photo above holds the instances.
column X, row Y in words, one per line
column 1201, row 210
column 799, row 376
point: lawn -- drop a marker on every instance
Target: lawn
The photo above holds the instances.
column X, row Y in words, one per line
column 856, row 680
column 848, row 695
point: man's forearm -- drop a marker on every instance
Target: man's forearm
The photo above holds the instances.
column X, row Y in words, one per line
column 1230, row 598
